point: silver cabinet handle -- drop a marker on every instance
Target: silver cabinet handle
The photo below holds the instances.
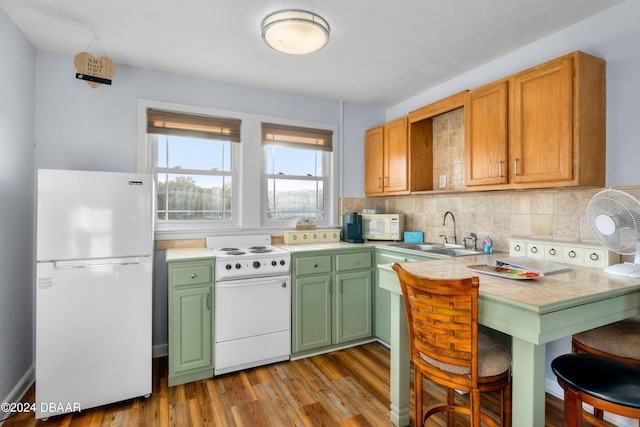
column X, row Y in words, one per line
column 208, row 302
column 355, row 261
column 385, row 182
column 515, row 167
column 379, row 182
column 193, row 275
column 534, row 250
column 500, row 168
column 572, row 254
column 517, row 248
column 593, row 256
column 552, row 251
column 315, row 265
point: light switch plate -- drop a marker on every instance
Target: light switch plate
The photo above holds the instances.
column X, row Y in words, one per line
column 443, row 181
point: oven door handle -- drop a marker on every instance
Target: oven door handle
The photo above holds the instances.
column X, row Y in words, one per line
column 251, row 282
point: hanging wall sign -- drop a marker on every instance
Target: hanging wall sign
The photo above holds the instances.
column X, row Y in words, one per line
column 95, row 71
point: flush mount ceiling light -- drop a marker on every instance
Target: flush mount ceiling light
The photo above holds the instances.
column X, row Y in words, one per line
column 296, row 32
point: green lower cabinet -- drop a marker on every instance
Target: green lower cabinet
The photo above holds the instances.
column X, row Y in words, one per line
column 353, row 307
column 312, row 313
column 335, row 307
column 190, row 321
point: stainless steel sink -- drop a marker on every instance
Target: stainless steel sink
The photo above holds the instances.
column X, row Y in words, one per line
column 435, row 248
column 453, row 251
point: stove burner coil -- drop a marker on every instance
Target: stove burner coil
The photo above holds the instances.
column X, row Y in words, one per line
column 229, row 249
column 261, row 251
column 236, row 253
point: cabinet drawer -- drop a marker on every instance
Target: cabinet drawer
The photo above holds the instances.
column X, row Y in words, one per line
column 358, row 261
column 192, row 274
column 313, row 265
column 553, row 253
column 594, row 258
column 517, row 248
column 535, row 250
column 573, row 255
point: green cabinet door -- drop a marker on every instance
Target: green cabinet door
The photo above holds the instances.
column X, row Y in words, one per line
column 190, row 295
column 311, row 313
column 353, row 303
column 190, row 344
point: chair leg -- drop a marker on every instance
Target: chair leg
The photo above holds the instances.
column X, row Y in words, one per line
column 451, row 401
column 505, row 406
column 419, row 405
column 572, row 408
column 474, row 397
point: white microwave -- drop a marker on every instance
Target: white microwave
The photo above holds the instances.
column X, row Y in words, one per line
column 382, row 226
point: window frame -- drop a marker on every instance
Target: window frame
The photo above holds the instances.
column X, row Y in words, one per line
column 248, row 201
column 325, row 178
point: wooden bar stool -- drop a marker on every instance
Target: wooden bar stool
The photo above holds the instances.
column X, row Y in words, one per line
column 619, row 340
column 607, row 384
column 442, row 317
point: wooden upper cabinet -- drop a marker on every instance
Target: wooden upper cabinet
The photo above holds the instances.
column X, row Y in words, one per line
column 543, row 127
column 543, row 123
column 396, row 156
column 486, row 138
column 386, row 159
column 374, row 161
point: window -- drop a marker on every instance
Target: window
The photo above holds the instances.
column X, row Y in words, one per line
column 296, row 172
column 192, row 165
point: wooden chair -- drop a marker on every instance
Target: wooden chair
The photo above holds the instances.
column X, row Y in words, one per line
column 607, row 384
column 619, row 340
column 442, row 317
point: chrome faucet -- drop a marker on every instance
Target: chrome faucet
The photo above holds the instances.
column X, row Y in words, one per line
column 473, row 238
column 444, row 222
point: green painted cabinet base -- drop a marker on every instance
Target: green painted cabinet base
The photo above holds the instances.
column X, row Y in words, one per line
column 190, row 321
column 332, row 299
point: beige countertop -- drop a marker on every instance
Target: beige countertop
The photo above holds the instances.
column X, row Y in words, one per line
column 176, row 254
column 544, row 294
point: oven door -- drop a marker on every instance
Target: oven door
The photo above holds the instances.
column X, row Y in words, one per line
column 252, row 322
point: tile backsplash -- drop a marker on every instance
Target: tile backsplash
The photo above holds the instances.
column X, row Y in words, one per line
column 448, row 150
column 546, row 214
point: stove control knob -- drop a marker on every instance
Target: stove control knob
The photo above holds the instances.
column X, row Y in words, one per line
column 256, row 264
column 228, row 266
column 274, row 262
column 238, row 265
column 282, row 262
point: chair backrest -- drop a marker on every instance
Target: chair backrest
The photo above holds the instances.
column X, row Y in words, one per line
column 442, row 318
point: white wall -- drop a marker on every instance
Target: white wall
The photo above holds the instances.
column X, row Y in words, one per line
column 16, row 210
column 613, row 35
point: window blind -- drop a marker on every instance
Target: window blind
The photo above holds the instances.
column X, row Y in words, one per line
column 297, row 137
column 179, row 124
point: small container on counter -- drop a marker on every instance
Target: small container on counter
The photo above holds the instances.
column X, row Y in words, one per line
column 487, row 244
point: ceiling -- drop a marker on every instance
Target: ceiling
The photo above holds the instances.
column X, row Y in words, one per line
column 380, row 52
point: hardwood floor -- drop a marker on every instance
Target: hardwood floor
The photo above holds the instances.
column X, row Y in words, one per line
column 343, row 388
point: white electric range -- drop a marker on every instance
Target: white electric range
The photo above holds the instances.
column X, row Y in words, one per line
column 252, row 302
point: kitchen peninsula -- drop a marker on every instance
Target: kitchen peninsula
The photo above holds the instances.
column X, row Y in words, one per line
column 532, row 312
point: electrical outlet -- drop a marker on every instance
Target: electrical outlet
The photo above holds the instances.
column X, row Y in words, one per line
column 443, row 181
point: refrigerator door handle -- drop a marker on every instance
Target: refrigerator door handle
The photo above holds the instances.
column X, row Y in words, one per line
column 90, row 263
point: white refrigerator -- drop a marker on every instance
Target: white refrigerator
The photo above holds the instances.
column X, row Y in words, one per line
column 93, row 289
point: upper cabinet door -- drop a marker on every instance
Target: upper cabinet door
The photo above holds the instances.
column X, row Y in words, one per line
column 396, row 154
column 543, row 123
column 373, row 161
column 486, row 135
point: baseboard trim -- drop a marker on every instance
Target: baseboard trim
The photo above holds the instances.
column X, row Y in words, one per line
column 17, row 393
column 160, row 350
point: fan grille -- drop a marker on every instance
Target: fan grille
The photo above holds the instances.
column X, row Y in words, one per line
column 621, row 209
